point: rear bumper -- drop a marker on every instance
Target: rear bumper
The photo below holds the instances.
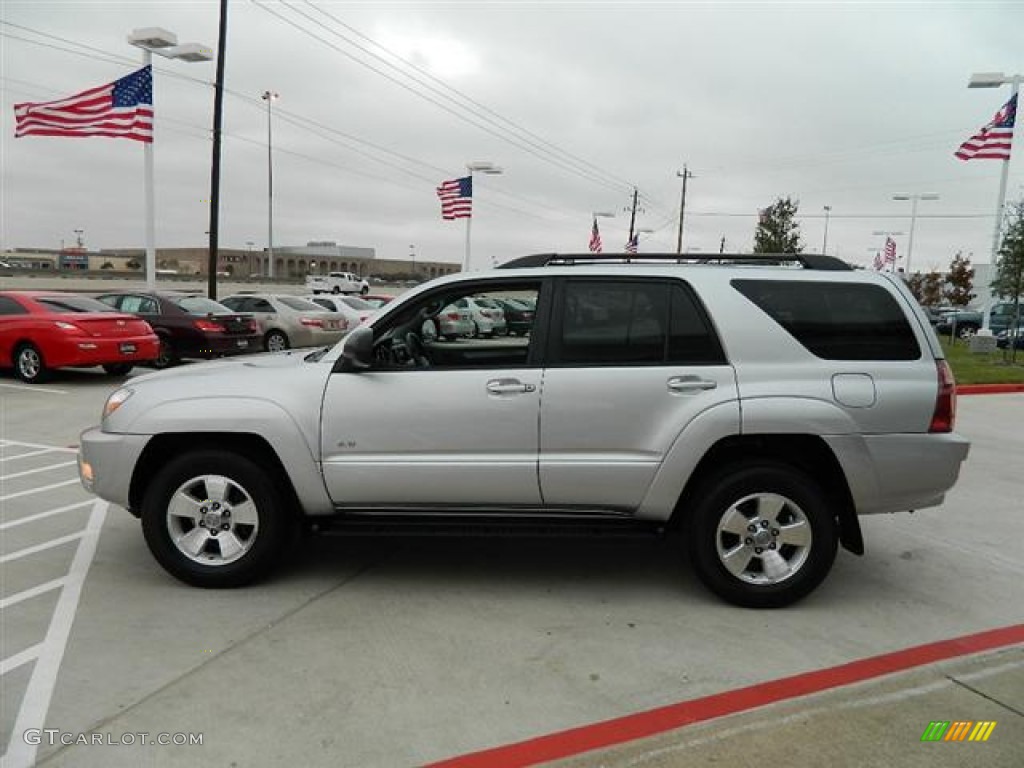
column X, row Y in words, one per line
column 220, row 345
column 894, row 473
column 84, row 350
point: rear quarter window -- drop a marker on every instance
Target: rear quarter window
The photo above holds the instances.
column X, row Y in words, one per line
column 836, row 321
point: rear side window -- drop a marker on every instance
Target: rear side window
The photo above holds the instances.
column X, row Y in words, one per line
column 9, row 306
column 299, row 304
column 836, row 321
column 634, row 323
column 73, row 304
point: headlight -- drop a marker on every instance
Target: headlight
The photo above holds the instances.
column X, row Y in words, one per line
column 116, row 400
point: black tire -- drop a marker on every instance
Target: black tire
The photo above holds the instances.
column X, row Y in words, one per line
column 336, row 289
column 364, row 290
column 276, row 341
column 29, row 365
column 265, row 544
column 167, row 357
column 118, row 369
column 803, row 508
column 966, row 331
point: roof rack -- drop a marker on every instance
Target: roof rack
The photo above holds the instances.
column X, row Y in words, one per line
column 806, row 260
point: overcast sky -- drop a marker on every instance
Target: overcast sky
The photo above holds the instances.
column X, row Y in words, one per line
column 834, row 104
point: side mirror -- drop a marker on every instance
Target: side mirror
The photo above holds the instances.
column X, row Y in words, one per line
column 357, row 352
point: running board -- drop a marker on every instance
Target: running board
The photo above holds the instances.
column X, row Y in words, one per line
column 481, row 526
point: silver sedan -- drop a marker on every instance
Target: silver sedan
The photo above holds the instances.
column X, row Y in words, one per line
column 288, row 321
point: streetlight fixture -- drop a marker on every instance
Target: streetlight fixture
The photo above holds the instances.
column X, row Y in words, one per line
column 824, row 240
column 913, row 219
column 270, row 97
column 248, row 245
column 163, row 43
column 481, row 166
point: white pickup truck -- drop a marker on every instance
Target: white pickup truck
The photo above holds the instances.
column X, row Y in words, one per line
column 337, row 282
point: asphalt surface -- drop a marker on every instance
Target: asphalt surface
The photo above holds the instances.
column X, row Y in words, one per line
column 404, row 652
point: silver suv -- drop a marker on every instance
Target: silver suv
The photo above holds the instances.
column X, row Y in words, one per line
column 755, row 405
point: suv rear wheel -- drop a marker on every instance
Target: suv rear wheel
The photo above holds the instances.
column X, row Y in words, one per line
column 214, row 519
column 762, row 535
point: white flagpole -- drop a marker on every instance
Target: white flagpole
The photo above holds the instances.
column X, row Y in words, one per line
column 469, row 220
column 147, row 61
column 1002, row 180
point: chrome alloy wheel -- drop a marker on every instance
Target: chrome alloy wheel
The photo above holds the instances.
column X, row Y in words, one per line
column 763, row 539
column 29, row 363
column 212, row 520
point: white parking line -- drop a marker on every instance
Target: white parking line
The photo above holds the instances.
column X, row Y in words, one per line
column 36, row 702
column 37, row 445
column 28, row 455
column 40, row 489
column 38, row 469
column 28, row 594
column 41, row 547
column 44, row 390
column 41, row 515
column 24, row 657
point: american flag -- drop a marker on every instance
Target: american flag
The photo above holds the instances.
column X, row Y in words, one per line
column 879, row 261
column 890, row 251
column 456, row 198
column 595, row 239
column 121, row 109
column 633, row 244
column 993, row 141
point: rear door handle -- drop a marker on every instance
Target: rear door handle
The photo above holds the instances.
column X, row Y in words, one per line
column 690, row 384
column 508, row 387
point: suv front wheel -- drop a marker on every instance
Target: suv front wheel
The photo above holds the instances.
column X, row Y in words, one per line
column 762, row 535
column 214, row 519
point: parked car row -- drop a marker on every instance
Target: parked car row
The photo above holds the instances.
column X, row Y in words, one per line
column 476, row 316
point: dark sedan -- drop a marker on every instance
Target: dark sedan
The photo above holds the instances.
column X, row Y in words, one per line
column 518, row 315
column 190, row 326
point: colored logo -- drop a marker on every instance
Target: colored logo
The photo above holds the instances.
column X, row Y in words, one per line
column 958, row 730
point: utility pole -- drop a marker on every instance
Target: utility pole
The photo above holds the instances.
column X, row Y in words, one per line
column 218, row 112
column 685, row 174
column 721, row 246
column 632, row 215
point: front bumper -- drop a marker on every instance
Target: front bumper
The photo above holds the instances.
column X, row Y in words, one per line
column 106, row 462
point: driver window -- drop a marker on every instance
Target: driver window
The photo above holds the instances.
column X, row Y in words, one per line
column 463, row 329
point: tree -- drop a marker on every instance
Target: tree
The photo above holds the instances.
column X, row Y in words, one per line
column 1009, row 279
column 777, row 230
column 133, row 264
column 959, row 281
column 931, row 289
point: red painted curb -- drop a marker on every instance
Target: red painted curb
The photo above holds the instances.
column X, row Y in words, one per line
column 988, row 389
column 555, row 746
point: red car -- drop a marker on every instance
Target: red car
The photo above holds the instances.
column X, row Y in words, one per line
column 43, row 330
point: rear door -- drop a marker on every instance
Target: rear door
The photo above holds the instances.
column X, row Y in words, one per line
column 629, row 364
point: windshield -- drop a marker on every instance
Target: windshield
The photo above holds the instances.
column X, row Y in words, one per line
column 355, row 303
column 300, row 304
column 74, row 304
column 200, row 305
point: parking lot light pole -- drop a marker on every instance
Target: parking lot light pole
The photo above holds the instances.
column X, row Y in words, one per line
column 270, row 97
column 824, row 240
column 483, row 167
column 163, row 43
column 913, row 220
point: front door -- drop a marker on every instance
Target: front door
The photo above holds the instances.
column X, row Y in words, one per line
column 434, row 422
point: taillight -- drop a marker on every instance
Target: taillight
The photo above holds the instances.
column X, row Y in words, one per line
column 69, row 327
column 253, row 326
column 208, row 326
column 945, row 402
column 453, row 316
column 314, row 322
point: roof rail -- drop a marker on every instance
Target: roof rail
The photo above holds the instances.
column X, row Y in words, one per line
column 806, row 260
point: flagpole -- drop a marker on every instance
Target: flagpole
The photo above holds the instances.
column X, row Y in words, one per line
column 469, row 223
column 150, row 195
column 1014, row 88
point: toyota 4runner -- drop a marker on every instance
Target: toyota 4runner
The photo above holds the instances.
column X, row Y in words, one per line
column 755, row 405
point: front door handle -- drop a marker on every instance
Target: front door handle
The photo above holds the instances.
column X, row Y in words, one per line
column 508, row 387
column 690, row 384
